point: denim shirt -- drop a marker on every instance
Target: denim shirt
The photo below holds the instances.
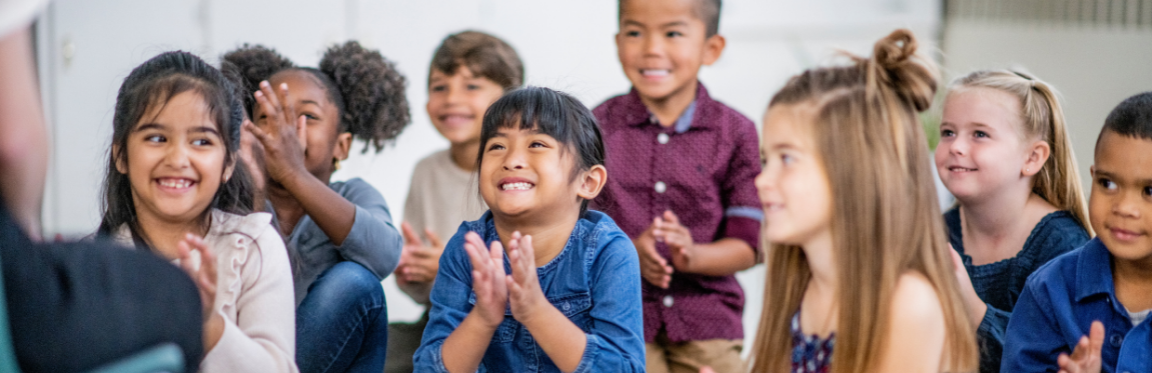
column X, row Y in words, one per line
column 594, row 281
column 1057, row 307
column 999, row 284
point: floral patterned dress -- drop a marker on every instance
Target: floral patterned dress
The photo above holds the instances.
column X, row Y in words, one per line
column 810, row 354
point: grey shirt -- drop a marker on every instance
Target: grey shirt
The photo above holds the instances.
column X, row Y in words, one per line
column 374, row 242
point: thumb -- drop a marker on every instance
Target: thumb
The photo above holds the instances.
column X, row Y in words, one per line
column 302, row 131
column 433, row 239
column 1096, row 338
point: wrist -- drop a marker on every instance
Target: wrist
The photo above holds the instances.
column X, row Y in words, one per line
column 538, row 314
column 478, row 319
column 213, row 331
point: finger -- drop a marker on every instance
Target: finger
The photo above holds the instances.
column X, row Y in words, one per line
column 527, row 250
column 671, row 218
column 289, row 112
column 433, row 239
column 417, row 274
column 409, row 234
column 497, row 252
column 479, row 260
column 207, row 259
column 269, row 103
column 475, row 239
column 255, row 130
column 1096, row 338
column 302, row 132
column 185, row 255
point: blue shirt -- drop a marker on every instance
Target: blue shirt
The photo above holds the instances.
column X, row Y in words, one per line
column 594, row 281
column 373, row 242
column 1057, row 307
column 999, row 284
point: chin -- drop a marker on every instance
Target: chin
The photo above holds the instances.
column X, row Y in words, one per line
column 1141, row 250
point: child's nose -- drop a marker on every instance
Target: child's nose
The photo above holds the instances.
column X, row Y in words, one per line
column 177, row 156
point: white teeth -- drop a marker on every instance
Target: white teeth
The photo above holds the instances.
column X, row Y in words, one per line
column 655, row 72
column 182, row 183
column 517, row 186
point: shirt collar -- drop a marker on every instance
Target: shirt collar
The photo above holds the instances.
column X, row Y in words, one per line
column 1094, row 271
column 637, row 114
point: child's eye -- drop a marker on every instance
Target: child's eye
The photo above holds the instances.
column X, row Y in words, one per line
column 537, row 144
column 947, row 133
column 495, row 147
column 1148, row 191
column 438, row 88
column 155, row 138
column 1107, row 184
column 632, row 33
column 787, row 159
column 981, row 134
column 202, row 142
column 673, row 34
column 309, row 116
column 472, row 87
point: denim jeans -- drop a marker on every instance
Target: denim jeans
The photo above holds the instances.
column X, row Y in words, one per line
column 342, row 324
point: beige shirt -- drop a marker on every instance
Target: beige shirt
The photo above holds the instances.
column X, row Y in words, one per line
column 441, row 196
column 253, row 293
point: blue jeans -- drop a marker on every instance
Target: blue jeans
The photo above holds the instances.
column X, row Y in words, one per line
column 342, row 324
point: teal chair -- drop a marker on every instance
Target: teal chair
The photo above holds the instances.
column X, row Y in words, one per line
column 166, row 357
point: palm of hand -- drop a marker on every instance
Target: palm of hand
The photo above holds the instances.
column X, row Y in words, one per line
column 487, row 278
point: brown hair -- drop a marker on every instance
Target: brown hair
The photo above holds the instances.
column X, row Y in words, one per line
column 707, row 11
column 886, row 221
column 1041, row 117
column 486, row 55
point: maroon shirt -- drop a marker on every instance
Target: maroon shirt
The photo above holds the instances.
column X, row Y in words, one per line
column 702, row 168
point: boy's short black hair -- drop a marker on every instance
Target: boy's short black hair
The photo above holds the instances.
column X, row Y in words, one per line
column 706, row 10
column 1131, row 118
column 552, row 113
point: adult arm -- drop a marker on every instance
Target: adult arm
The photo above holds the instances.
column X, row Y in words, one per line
column 263, row 336
column 23, row 138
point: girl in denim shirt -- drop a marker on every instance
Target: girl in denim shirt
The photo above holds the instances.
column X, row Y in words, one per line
column 539, row 283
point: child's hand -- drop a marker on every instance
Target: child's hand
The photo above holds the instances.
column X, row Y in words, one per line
column 653, row 267
column 252, row 154
column 976, row 306
column 1086, row 357
column 418, row 263
column 524, row 293
column 282, row 133
column 205, row 275
column 678, row 238
column 487, row 279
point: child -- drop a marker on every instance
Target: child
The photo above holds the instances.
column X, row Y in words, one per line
column 1101, row 291
column 1005, row 154
column 340, row 234
column 681, row 184
column 469, row 71
column 571, row 301
column 859, row 277
column 173, row 177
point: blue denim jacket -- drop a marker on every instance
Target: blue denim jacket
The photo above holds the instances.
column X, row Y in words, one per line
column 1057, row 307
column 594, row 281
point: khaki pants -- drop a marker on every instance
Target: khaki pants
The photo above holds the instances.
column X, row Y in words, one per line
column 722, row 355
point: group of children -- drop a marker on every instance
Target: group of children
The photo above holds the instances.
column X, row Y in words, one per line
column 550, row 237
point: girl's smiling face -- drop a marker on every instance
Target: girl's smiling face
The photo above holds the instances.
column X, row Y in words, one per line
column 793, row 186
column 175, row 160
column 526, row 173
column 982, row 147
column 322, row 118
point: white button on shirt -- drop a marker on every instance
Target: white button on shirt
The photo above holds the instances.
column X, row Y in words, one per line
column 668, row 301
column 660, row 187
column 662, row 138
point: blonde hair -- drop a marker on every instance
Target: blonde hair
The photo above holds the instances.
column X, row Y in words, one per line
column 886, row 221
column 1058, row 181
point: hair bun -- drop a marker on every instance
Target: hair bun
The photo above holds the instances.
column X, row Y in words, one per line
column 249, row 65
column 900, row 68
column 376, row 107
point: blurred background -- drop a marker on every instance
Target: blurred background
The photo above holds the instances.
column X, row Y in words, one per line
column 1095, row 52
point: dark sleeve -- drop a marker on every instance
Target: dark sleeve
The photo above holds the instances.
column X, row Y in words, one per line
column 78, row 306
column 742, row 210
column 1032, row 340
column 990, row 336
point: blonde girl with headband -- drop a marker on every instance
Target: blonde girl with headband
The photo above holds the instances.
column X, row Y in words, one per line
column 859, row 273
column 1005, row 154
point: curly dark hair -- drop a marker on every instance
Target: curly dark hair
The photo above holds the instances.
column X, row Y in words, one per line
column 365, row 87
column 249, row 65
column 375, row 104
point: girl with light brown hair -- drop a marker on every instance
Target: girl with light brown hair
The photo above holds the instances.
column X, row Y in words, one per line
column 858, row 259
column 1005, row 154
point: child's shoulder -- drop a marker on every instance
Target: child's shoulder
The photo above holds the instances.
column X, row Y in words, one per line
column 608, row 237
column 252, row 225
column 916, row 301
column 1061, row 273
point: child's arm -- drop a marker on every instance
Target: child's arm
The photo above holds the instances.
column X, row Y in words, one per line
column 724, row 257
column 615, row 343
column 360, row 225
column 915, row 328
column 468, row 340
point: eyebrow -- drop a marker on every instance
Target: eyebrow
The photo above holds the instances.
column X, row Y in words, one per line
column 204, row 129
column 305, row 102
column 1110, row 175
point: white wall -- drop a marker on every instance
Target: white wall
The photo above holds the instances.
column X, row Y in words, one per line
column 566, row 45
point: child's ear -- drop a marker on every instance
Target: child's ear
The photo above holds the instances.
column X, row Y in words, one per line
column 1092, row 173
column 1037, row 157
column 229, row 169
column 343, row 146
column 713, row 48
column 121, row 163
column 593, row 181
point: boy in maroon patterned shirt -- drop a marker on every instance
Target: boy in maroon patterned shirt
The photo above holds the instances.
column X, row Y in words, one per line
column 681, row 169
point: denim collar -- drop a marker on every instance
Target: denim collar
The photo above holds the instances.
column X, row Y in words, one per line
column 1094, row 271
